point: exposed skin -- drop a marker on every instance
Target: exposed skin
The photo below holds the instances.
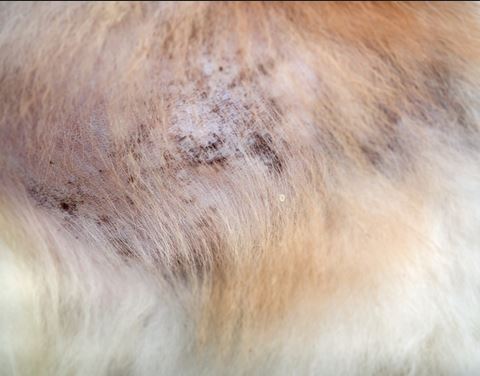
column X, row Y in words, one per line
column 256, row 168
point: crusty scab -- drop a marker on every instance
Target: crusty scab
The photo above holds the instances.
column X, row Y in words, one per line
column 261, row 145
column 226, row 117
column 215, row 151
column 210, row 153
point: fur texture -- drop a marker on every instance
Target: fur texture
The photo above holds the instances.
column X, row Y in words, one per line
column 239, row 188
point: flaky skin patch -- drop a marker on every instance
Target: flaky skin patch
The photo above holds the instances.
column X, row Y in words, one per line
column 239, row 188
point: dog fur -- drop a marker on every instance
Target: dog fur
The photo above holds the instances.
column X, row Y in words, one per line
column 239, row 188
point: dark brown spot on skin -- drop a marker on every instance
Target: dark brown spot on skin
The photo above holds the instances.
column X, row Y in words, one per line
column 220, row 160
column 262, row 147
column 193, row 32
column 180, row 139
column 262, row 69
column 123, row 248
column 206, row 153
column 53, row 198
column 372, row 155
column 69, row 207
column 168, row 159
column 189, row 200
column 38, row 195
column 137, row 156
column 143, row 133
column 129, row 201
column 391, row 117
column 104, row 219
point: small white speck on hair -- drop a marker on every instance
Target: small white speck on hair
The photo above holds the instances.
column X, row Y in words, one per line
column 281, row 197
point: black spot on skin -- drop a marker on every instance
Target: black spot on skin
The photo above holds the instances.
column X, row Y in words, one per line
column 68, row 206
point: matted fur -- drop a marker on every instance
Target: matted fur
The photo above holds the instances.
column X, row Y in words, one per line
column 239, row 188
